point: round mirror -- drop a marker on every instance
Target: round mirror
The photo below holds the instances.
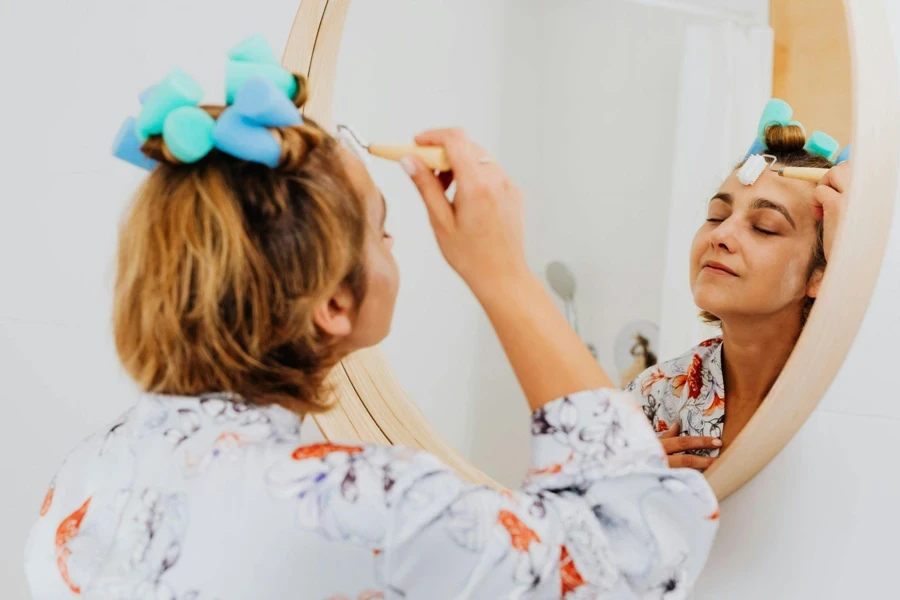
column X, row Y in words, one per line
column 623, row 122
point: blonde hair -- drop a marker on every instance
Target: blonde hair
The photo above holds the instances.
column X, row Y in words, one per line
column 787, row 143
column 220, row 265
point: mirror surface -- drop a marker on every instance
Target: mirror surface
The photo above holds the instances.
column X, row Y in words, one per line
column 619, row 120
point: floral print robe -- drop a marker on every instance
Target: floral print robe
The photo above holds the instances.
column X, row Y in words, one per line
column 215, row 498
column 689, row 391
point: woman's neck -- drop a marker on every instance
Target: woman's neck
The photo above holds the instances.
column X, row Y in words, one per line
column 754, row 351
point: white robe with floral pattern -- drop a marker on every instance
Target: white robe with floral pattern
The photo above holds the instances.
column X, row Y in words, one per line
column 214, row 498
column 688, row 390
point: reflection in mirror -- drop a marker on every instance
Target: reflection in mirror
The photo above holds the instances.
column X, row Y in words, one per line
column 624, row 124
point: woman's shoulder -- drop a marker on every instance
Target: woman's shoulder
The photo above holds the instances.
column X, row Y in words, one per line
column 695, row 359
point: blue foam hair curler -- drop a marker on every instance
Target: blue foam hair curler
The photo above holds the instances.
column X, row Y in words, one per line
column 241, row 129
column 237, row 73
column 756, row 147
column 188, row 133
column 254, row 49
column 246, row 140
column 823, row 144
column 259, row 93
column 176, row 90
column 142, row 97
column 127, row 146
column 261, row 101
column 844, row 156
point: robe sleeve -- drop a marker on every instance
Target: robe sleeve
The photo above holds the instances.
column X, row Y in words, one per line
column 599, row 515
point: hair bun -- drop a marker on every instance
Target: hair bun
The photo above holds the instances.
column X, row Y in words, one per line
column 302, row 94
column 785, row 139
column 156, row 149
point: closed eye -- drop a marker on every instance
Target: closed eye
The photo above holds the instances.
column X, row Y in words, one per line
column 764, row 231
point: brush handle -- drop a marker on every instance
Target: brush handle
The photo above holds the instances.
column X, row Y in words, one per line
column 434, row 157
column 813, row 174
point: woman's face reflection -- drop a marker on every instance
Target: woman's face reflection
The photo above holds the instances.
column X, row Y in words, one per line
column 752, row 256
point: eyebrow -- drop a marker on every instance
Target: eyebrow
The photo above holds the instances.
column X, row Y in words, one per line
column 762, row 203
column 759, row 204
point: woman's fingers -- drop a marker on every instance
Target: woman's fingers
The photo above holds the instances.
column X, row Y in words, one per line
column 837, row 178
column 671, row 432
column 689, row 461
column 440, row 211
column 481, row 231
column 683, row 443
column 465, row 157
column 829, row 193
column 673, row 443
column 832, row 186
column 828, row 200
column 446, row 179
column 456, row 144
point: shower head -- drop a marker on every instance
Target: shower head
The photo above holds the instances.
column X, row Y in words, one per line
column 561, row 280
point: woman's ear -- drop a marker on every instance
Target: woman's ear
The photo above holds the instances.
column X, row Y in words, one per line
column 814, row 283
column 334, row 316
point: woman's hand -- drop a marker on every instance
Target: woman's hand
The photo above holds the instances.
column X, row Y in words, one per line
column 673, row 443
column 481, row 232
column 829, row 199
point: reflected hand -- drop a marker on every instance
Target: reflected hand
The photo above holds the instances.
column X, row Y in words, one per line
column 673, row 443
column 829, row 199
column 481, row 232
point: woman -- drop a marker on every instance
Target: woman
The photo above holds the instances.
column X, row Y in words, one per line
column 756, row 265
column 239, row 286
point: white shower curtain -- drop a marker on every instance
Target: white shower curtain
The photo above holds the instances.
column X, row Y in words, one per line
column 726, row 77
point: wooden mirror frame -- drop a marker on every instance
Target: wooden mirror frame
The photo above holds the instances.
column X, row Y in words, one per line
column 372, row 407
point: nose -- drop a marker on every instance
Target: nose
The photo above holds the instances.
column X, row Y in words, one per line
column 724, row 237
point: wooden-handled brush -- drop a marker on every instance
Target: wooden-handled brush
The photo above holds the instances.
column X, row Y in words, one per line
column 755, row 164
column 812, row 174
column 434, row 157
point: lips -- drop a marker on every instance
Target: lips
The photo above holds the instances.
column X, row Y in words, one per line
column 717, row 266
